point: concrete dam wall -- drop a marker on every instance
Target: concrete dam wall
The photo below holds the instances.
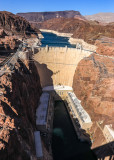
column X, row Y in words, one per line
column 57, row 65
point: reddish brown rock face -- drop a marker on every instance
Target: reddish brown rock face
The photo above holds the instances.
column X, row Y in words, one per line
column 2, row 33
column 13, row 29
column 93, row 84
column 9, row 43
column 105, row 46
column 21, row 91
column 102, row 17
column 14, row 24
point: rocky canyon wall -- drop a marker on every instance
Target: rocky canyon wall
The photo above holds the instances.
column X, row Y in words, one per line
column 19, row 96
column 93, row 84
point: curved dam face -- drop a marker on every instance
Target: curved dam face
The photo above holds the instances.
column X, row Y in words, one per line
column 57, row 65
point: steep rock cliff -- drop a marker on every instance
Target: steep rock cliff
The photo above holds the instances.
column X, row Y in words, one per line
column 8, row 44
column 105, row 46
column 19, row 96
column 14, row 24
column 93, row 84
column 13, row 29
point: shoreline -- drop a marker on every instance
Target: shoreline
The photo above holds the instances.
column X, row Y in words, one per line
column 84, row 44
column 40, row 36
column 57, row 33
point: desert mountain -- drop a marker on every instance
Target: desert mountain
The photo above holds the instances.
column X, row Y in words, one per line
column 43, row 16
column 101, row 17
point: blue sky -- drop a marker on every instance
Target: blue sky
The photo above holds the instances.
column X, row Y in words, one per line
column 86, row 7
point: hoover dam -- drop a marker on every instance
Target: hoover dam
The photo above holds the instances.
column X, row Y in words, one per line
column 56, row 65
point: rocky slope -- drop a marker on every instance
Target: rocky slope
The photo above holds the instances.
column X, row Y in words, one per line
column 8, row 43
column 14, row 24
column 19, row 96
column 88, row 31
column 43, row 16
column 105, row 46
column 101, row 17
column 13, row 29
column 93, row 85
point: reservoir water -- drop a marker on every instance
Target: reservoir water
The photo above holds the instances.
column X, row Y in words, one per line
column 65, row 144
column 53, row 40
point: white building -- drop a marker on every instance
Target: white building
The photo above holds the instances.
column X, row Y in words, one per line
column 78, row 111
column 38, row 145
column 42, row 112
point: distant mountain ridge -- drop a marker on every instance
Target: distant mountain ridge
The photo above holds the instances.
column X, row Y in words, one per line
column 43, row 16
column 106, row 17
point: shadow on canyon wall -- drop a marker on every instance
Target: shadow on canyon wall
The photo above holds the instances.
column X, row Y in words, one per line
column 45, row 74
column 21, row 97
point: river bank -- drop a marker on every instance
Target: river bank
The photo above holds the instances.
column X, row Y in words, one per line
column 84, row 44
column 57, row 33
column 40, row 36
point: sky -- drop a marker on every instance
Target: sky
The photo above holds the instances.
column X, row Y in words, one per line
column 86, row 7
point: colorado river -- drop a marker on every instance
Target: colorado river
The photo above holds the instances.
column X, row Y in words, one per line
column 65, row 144
column 51, row 39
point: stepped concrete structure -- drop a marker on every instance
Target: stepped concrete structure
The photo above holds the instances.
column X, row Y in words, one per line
column 57, row 65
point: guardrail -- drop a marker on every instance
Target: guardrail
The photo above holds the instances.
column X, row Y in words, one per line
column 10, row 61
